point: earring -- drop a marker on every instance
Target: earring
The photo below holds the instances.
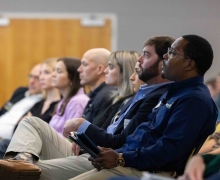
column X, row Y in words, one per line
column 71, row 84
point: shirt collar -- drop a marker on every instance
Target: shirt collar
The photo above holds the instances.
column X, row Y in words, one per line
column 179, row 86
column 27, row 94
column 92, row 94
column 146, row 86
column 145, row 89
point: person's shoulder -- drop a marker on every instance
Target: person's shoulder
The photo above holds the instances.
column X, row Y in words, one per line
column 20, row 90
column 18, row 94
column 105, row 96
column 79, row 96
column 200, row 91
column 156, row 92
column 39, row 103
column 108, row 91
column 37, row 106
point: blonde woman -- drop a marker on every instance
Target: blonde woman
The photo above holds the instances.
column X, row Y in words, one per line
column 45, row 108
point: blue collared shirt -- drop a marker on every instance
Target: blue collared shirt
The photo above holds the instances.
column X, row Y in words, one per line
column 183, row 119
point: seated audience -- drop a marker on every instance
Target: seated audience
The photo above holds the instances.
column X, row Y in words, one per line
column 117, row 74
column 44, row 109
column 174, row 128
column 56, row 149
column 121, row 65
column 20, row 103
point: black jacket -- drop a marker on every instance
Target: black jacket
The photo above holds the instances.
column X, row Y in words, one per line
column 17, row 96
column 138, row 113
column 100, row 100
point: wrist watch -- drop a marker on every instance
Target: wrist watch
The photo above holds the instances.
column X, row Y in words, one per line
column 120, row 161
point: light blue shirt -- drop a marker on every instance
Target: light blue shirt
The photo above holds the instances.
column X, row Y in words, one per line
column 142, row 92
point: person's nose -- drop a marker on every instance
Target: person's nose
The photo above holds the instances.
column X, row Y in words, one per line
column 31, row 80
column 79, row 69
column 41, row 77
column 132, row 77
column 140, row 59
column 54, row 74
column 106, row 70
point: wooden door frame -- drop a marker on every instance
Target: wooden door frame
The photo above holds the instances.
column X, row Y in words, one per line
column 111, row 16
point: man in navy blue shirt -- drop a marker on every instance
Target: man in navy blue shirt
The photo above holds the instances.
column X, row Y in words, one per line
column 181, row 121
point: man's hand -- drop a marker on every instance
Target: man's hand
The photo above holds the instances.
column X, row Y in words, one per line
column 194, row 169
column 75, row 149
column 72, row 125
column 107, row 159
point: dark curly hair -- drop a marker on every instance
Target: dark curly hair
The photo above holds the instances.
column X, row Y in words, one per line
column 199, row 50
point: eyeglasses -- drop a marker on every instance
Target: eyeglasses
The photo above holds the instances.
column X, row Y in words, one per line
column 30, row 76
column 170, row 53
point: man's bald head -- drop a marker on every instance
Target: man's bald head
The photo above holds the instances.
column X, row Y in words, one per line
column 93, row 64
column 98, row 55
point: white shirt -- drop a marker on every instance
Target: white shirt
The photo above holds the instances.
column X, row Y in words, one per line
column 9, row 120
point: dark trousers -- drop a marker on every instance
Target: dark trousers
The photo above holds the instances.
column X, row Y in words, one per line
column 216, row 176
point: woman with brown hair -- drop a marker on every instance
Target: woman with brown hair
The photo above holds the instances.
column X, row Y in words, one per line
column 66, row 80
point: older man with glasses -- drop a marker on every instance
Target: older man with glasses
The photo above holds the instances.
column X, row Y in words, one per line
column 20, row 103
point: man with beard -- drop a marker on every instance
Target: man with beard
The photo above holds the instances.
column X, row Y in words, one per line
column 184, row 117
column 131, row 115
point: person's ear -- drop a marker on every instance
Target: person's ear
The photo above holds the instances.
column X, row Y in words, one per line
column 100, row 69
column 160, row 66
column 191, row 65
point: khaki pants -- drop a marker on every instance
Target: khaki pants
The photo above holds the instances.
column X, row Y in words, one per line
column 57, row 159
column 108, row 173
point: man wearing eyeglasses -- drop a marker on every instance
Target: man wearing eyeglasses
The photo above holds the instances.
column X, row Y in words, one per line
column 20, row 103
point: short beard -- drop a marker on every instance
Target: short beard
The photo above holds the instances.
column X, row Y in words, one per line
column 149, row 73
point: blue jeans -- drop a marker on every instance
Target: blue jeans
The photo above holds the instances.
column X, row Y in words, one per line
column 3, row 147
